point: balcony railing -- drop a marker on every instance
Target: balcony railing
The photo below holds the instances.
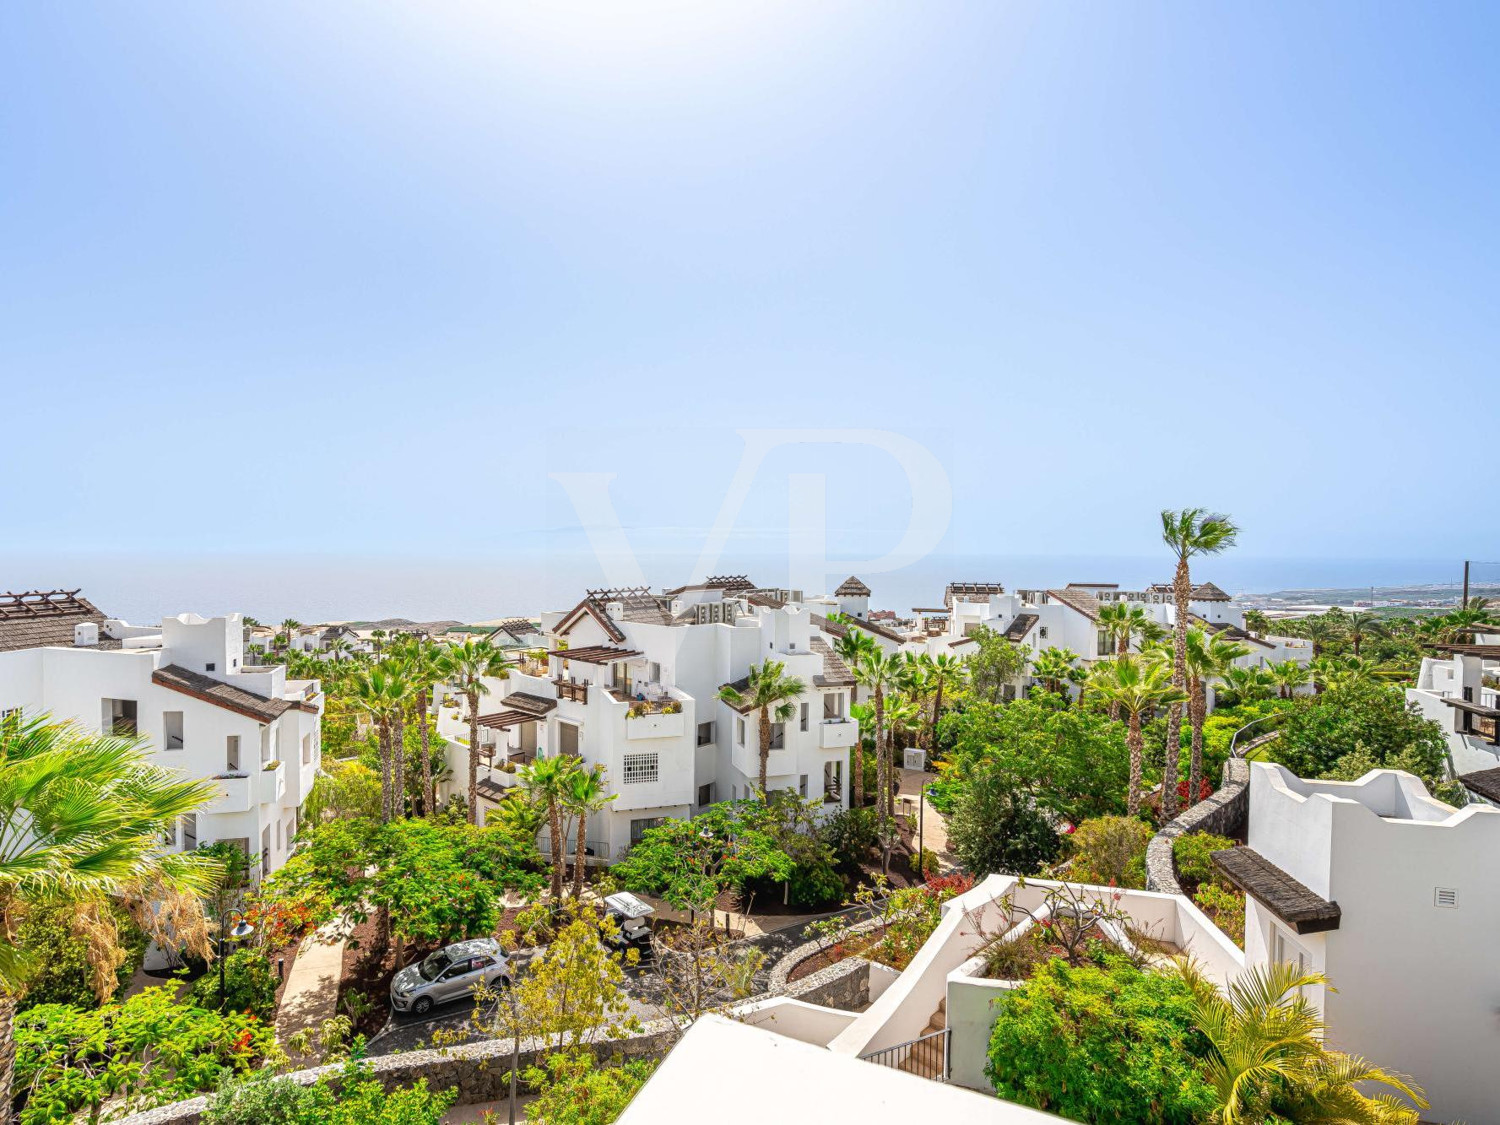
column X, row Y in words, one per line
column 926, row 1057
column 568, row 689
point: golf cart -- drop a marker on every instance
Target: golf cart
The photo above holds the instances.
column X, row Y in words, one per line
column 630, row 914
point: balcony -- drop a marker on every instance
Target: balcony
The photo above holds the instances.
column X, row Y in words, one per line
column 571, row 690
column 271, row 783
column 655, row 724
column 236, row 793
column 836, row 734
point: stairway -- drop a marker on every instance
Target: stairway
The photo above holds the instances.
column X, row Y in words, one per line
column 926, row 1055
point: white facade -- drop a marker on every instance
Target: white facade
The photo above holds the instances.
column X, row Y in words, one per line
column 184, row 688
column 1412, row 957
column 640, row 698
column 1452, row 692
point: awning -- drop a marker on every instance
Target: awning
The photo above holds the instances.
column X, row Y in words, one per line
column 501, row 720
column 1291, row 901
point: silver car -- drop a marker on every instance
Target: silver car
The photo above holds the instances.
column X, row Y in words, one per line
column 449, row 974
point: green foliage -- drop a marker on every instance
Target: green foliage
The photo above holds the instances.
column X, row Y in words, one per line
column 343, row 789
column 1219, row 728
column 1073, row 762
column 249, row 985
column 851, row 833
column 690, row 862
column 66, row 973
column 149, row 1048
column 573, row 1090
column 998, row 664
column 1225, row 906
column 1101, row 1044
column 996, row 827
column 1359, row 717
column 354, row 1097
column 1192, row 852
column 1111, row 851
column 440, row 882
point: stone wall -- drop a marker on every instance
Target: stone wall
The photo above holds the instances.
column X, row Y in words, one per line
column 1225, row 814
column 481, row 1071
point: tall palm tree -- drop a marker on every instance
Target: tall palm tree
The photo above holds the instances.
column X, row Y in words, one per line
column 770, row 693
column 881, row 673
column 546, row 779
column 1267, row 1056
column 584, row 793
column 1124, row 621
column 1209, row 655
column 854, row 647
column 1189, row 533
column 1322, row 629
column 1289, row 675
column 373, row 693
column 1257, row 622
column 425, row 665
column 1139, row 687
column 1359, row 627
column 467, row 665
column 289, row 629
column 944, row 671
column 82, row 816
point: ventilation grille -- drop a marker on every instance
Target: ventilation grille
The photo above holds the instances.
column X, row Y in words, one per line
column 1445, row 896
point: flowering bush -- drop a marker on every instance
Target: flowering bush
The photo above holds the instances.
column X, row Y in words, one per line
column 1205, row 791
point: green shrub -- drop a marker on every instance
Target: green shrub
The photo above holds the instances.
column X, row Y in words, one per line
column 249, row 985
column 574, row 1090
column 851, row 833
column 1111, row 850
column 66, row 974
column 1101, row 1044
column 813, row 885
column 997, row 827
column 1363, row 719
column 1192, row 853
column 1225, row 906
column 353, row 1097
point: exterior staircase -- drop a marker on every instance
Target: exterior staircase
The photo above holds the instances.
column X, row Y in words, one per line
column 927, row 1057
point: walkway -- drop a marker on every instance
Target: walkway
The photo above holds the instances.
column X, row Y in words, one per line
column 934, row 827
column 311, row 995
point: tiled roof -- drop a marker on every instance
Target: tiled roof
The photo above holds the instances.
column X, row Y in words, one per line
column 1485, row 783
column 593, row 609
column 1022, row 625
column 835, row 672
column 1292, row 902
column 647, row 610
column 1208, row 592
column 527, row 701
column 248, row 703
column 35, row 619
column 1079, row 600
column 852, row 587
column 1233, row 632
column 730, row 582
column 839, row 629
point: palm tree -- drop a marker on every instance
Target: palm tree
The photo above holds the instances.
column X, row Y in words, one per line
column 1138, row 686
column 1289, row 676
column 81, row 817
column 289, row 629
column 467, row 666
column 854, row 647
column 374, row 693
column 1189, row 533
column 943, row 670
column 584, row 793
column 1249, row 684
column 881, row 673
column 770, row 693
column 425, row 665
column 1209, row 655
column 1055, row 667
column 1123, row 621
column 1322, row 629
column 1473, row 616
column 1267, row 1057
column 1358, row 626
column 546, row 779
column 1257, row 622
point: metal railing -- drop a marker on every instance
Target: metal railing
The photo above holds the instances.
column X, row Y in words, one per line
column 576, row 692
column 1234, row 747
column 926, row 1057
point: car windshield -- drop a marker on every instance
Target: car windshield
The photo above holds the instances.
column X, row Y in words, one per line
column 433, row 965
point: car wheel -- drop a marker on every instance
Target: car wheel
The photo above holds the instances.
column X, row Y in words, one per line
column 422, row 1006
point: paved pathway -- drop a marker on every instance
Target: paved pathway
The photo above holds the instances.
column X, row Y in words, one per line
column 312, row 987
column 934, row 826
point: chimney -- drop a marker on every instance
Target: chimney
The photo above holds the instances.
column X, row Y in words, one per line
column 85, row 634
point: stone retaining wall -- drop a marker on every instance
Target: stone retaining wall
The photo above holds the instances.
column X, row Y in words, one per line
column 1225, row 814
column 481, row 1071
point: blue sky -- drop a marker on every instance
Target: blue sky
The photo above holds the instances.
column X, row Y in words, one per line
column 355, row 279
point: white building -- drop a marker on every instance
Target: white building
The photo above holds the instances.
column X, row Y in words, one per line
column 631, row 682
column 1392, row 895
column 1453, row 693
column 184, row 688
column 1067, row 617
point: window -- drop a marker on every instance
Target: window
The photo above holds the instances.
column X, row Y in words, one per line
column 1106, row 642
column 805, row 707
column 706, row 794
column 705, row 733
column 1042, row 632
column 307, row 749
column 740, row 732
column 653, row 672
column 639, row 828
column 641, row 768
column 232, row 754
column 265, row 851
column 802, row 785
column 833, row 782
column 169, row 836
column 171, row 722
column 778, row 736
column 209, row 667
column 189, row 832
column 10, row 717
column 833, row 705
column 119, row 717
column 567, row 739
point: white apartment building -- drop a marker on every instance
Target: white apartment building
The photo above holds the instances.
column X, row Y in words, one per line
column 184, row 688
column 631, row 682
column 1068, row 617
column 1452, row 691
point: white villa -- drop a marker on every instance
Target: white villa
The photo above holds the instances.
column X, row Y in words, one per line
column 1387, row 891
column 631, row 682
column 1459, row 694
column 183, row 686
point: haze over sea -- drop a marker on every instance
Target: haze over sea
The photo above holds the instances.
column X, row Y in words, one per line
column 311, row 588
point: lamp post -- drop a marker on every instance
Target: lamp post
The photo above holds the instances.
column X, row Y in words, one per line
column 239, row 932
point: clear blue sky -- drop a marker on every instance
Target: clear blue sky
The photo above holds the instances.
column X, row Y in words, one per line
column 286, row 277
